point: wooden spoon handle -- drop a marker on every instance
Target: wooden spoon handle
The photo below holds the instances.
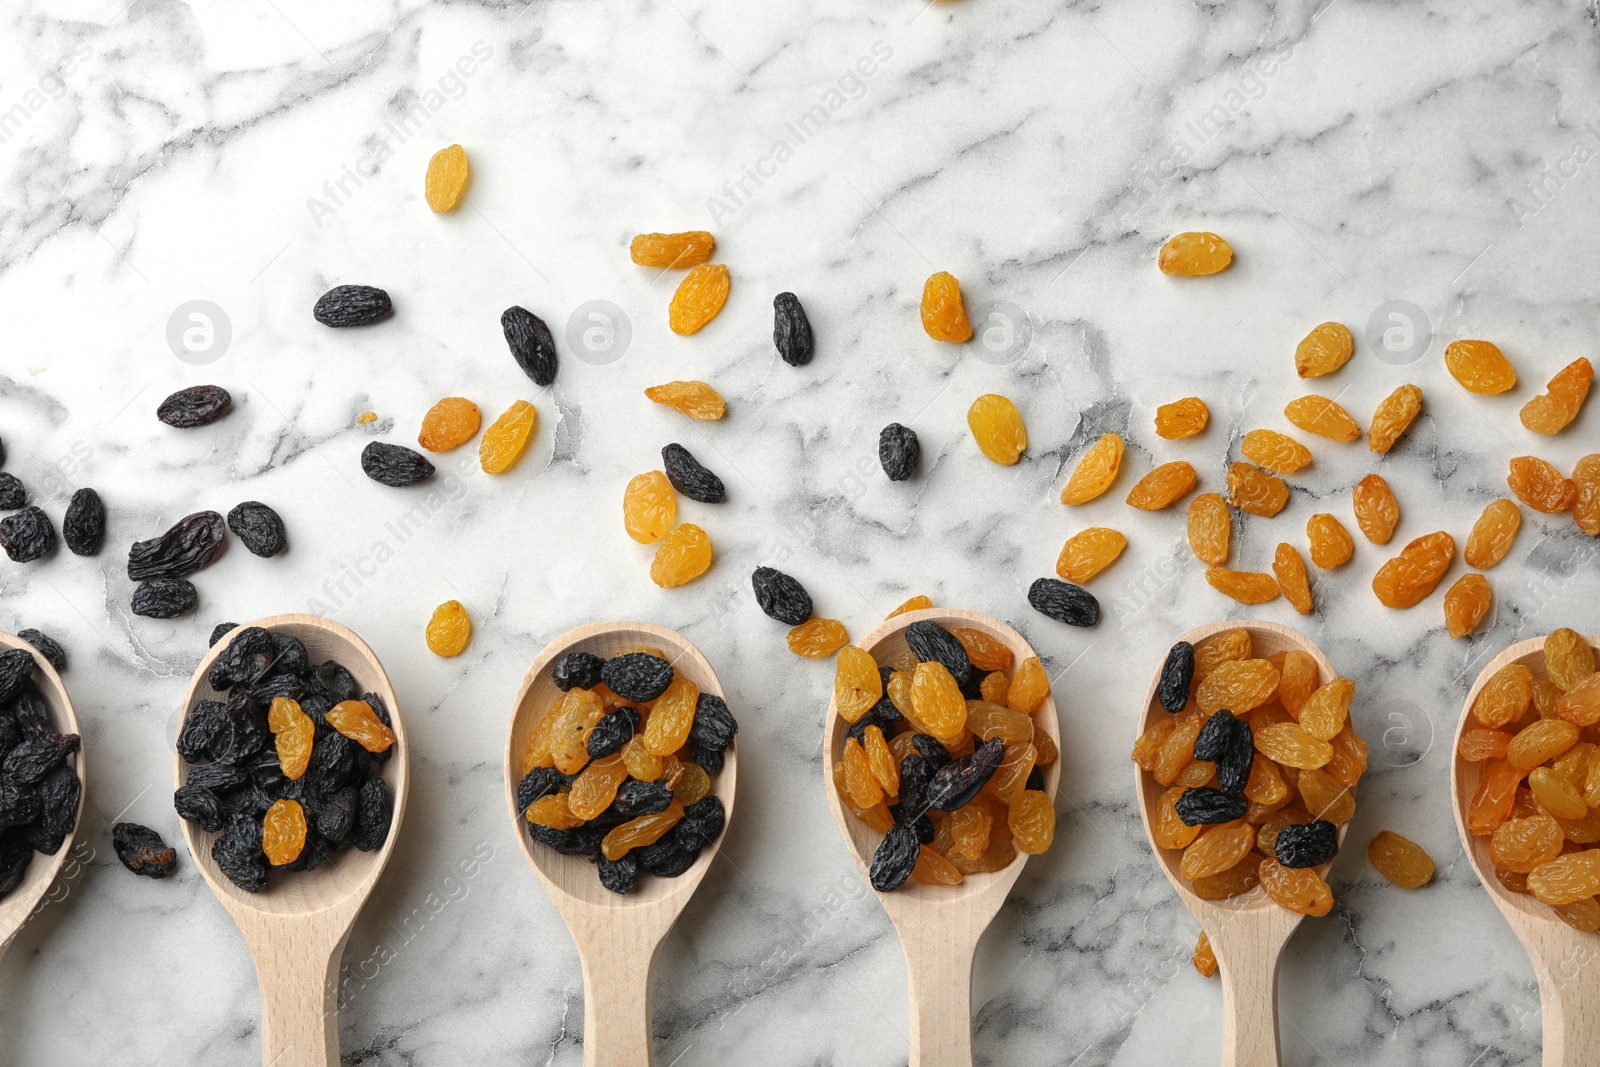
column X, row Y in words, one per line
column 299, row 1003
column 1570, row 1005
column 616, row 1000
column 939, row 991
column 1249, row 970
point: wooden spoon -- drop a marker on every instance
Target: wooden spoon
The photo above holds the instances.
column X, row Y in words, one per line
column 1562, row 957
column 296, row 928
column 1247, row 932
column 20, row 904
column 617, row 936
column 939, row 925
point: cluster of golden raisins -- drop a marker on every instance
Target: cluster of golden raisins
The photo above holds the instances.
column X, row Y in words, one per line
column 704, row 289
column 1538, row 794
column 943, row 755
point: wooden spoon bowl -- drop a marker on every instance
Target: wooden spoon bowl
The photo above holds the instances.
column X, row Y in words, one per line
column 939, row 925
column 20, row 904
column 296, row 928
column 1247, row 932
column 617, row 936
column 1563, row 958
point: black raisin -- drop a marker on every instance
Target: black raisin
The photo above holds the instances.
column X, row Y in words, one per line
column 195, row 406
column 249, row 656
column 957, row 782
column 336, row 817
column 1064, row 602
column 217, row 777
column 1177, row 672
column 896, row 855
column 15, row 855
column 791, row 330
column 335, row 681
column 289, row 656
column 352, row 305
column 27, row 535
column 16, row 671
column 258, row 527
column 1035, row 780
column 84, row 527
column 619, row 875
column 1207, row 805
column 536, row 784
column 48, row 647
column 701, row 823
column 531, row 344
column 243, row 731
column 781, row 596
column 898, row 451
column 930, row 641
column 29, row 710
column 13, row 494
column 199, row 806
column 579, row 841
column 219, row 631
column 1227, row 742
column 164, row 598
column 665, row 859
column 615, row 729
column 237, row 853
column 394, row 465
column 191, row 544
column 374, row 810
column 712, row 731
column 932, row 751
column 20, row 803
column 878, row 715
column 1308, row 845
column 915, row 775
column 142, row 851
column 637, row 676
column 636, row 798
column 35, row 757
column 690, row 478
column 200, row 727
column 577, row 670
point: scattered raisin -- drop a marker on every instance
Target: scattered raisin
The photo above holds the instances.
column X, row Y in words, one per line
column 690, row 478
column 507, row 437
column 27, row 535
column 698, row 400
column 13, row 494
column 1480, row 367
column 142, row 851
column 84, row 527
column 671, row 250
column 352, row 305
column 791, row 331
column 189, row 545
column 698, row 299
column 258, row 527
column 531, row 344
column 997, row 427
column 1193, row 254
column 943, row 315
column 195, row 406
column 394, row 465
column 164, row 598
column 1064, row 602
column 898, row 451
column 446, row 180
column 1182, row 418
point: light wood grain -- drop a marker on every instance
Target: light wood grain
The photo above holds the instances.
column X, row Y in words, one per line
column 1247, row 932
column 939, row 926
column 23, row 901
column 617, row 936
column 296, row 928
column 1565, row 961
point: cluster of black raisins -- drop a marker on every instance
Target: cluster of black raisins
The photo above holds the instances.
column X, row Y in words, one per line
column 161, row 565
column 27, row 533
column 39, row 788
column 234, row 775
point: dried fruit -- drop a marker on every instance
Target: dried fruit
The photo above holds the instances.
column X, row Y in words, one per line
column 1540, row 742
column 1466, row 603
column 283, row 832
column 1585, row 497
column 791, row 330
column 898, row 451
column 1210, row 528
column 197, row 405
column 48, row 647
column 142, row 851
column 1323, row 417
column 1393, row 417
column 637, row 676
column 1401, row 860
column 1480, row 367
column 190, row 544
column 937, row 705
column 1409, row 577
column 1293, row 580
column 1505, row 697
column 1064, row 602
column 449, row 629
column 1568, row 879
column 780, row 596
column 997, row 427
column 394, row 465
column 507, row 437
column 817, row 638
column 896, row 856
column 930, row 641
column 1324, row 350
column 1300, row 889
column 13, row 494
column 27, row 535
column 1331, row 545
column 352, row 305
column 1205, row 806
column 1327, row 709
column 1216, row 850
column 985, row 653
column 1205, row 960
column 1540, row 486
column 1032, row 820
column 1275, row 451
column 449, row 424
column 1568, row 658
column 1377, row 511
column 1029, row 686
column 1163, row 486
column 164, row 598
column 1089, row 552
column 1246, row 587
column 857, row 685
column 1255, row 491
column 1194, row 253
column 682, row 555
column 943, row 316
column 1177, row 673
column 1308, row 845
column 1182, row 418
column 1096, row 470
column 694, row 399
column 671, row 717
column 294, row 735
column 649, row 507
column 1239, row 686
column 446, row 180
column 84, row 527
column 669, row 250
column 1288, row 743
column 1551, row 411
column 689, row 477
column 531, row 344
column 1492, row 534
column 357, row 720
column 258, row 527
column 699, row 297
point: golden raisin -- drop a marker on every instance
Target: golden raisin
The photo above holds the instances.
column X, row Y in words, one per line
column 1480, row 367
column 596, row 787
column 357, row 721
column 857, row 685
column 1539, row 742
column 1163, row 486
column 938, row 706
column 884, row 766
column 933, row 869
column 1182, row 418
column 916, row 603
column 1255, row 491
column 1297, row 680
column 1551, row 411
column 283, row 831
column 1570, row 878
column 1210, row 528
column 367, row 416
column 816, row 638
column 1331, row 545
column 1275, row 451
column 293, row 734
column 700, row 296
column 1299, row 889
column 1235, row 881
column 1492, row 534
column 1568, row 658
column 1377, row 511
column 649, row 507
column 995, row 686
column 1466, row 603
column 943, row 316
column 1327, row 709
column 672, row 249
column 1205, row 960
column 1247, row 587
column 554, row 812
column 446, row 181
column 1479, row 743
column 507, row 437
column 681, row 556
column 1029, row 686
column 997, row 426
column 1089, row 552
column 1586, row 494
column 694, row 399
column 1323, row 417
column 1325, row 797
column 1095, row 472
column 985, row 652
column 449, row 629
column 1540, row 486
column 1216, row 849
column 671, row 716
column 1505, row 697
column 637, row 833
column 1393, row 417
column 1401, row 860
column 1324, row 350
column 1166, row 828
column 580, row 709
column 1228, row 645
column 1194, row 253
column 1289, row 744
column 1239, row 685
column 864, row 789
column 1408, row 578
column 449, row 423
column 1032, row 820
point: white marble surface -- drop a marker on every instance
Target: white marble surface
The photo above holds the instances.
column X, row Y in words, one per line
column 1355, row 153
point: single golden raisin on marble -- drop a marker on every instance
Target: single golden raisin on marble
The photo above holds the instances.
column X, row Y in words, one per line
column 1290, row 570
column 507, row 438
column 694, row 399
column 1182, row 418
column 1163, row 486
column 1255, row 491
column 1205, row 960
column 449, row 423
column 1194, row 253
column 283, row 831
column 449, row 629
column 367, row 416
column 817, row 638
column 1408, row 578
column 997, row 426
column 649, row 507
column 1393, row 417
column 1586, row 494
column 682, row 555
column 1551, row 411
column 1331, row 544
column 1275, row 451
column 1540, row 486
column 1324, row 350
column 447, row 177
column 943, row 315
column 1323, row 417
column 1244, row 586
column 700, row 296
column 1492, row 534
column 1096, row 470
column 1466, row 603
column 1210, row 527
column 1401, row 860
column 1088, row 552
column 1377, row 511
column 672, row 249
column 1480, row 367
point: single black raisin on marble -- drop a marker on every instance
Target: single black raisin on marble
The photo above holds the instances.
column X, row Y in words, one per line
column 27, row 535
column 142, row 851
column 197, row 405
column 690, row 478
column 791, row 330
column 84, row 528
column 1064, row 602
column 258, row 527
column 191, row 544
column 531, row 344
column 898, row 451
column 13, row 494
column 352, row 305
column 164, row 598
column 782, row 597
column 394, row 465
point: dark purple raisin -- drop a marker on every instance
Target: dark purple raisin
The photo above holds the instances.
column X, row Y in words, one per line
column 930, row 641
column 352, row 305
column 690, row 478
column 1177, row 673
column 781, row 597
column 15, row 855
column 536, row 784
column 1064, row 602
column 531, row 344
column 896, row 855
column 580, row 670
column 243, row 731
column 898, row 451
column 259, row 527
column 791, row 331
column 27, row 535
column 957, row 782
column 164, row 598
column 35, row 757
column 16, row 671
column 701, row 823
column 84, row 528
column 1206, row 805
column 219, row 631
column 31, row 715
column 19, row 803
column 1307, row 846
column 336, row 816
column 217, row 777
column 711, row 732
column 13, row 494
column 394, row 465
column 878, row 715
column 199, row 806
column 619, row 875
column 142, row 851
column 932, row 751
column 237, row 853
column 666, row 858
column 636, row 798
column 637, row 676
column 48, row 647
column 915, row 775
column 615, row 729
column 374, row 811
column 195, row 406
column 248, row 656
column 190, row 545
column 202, row 725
